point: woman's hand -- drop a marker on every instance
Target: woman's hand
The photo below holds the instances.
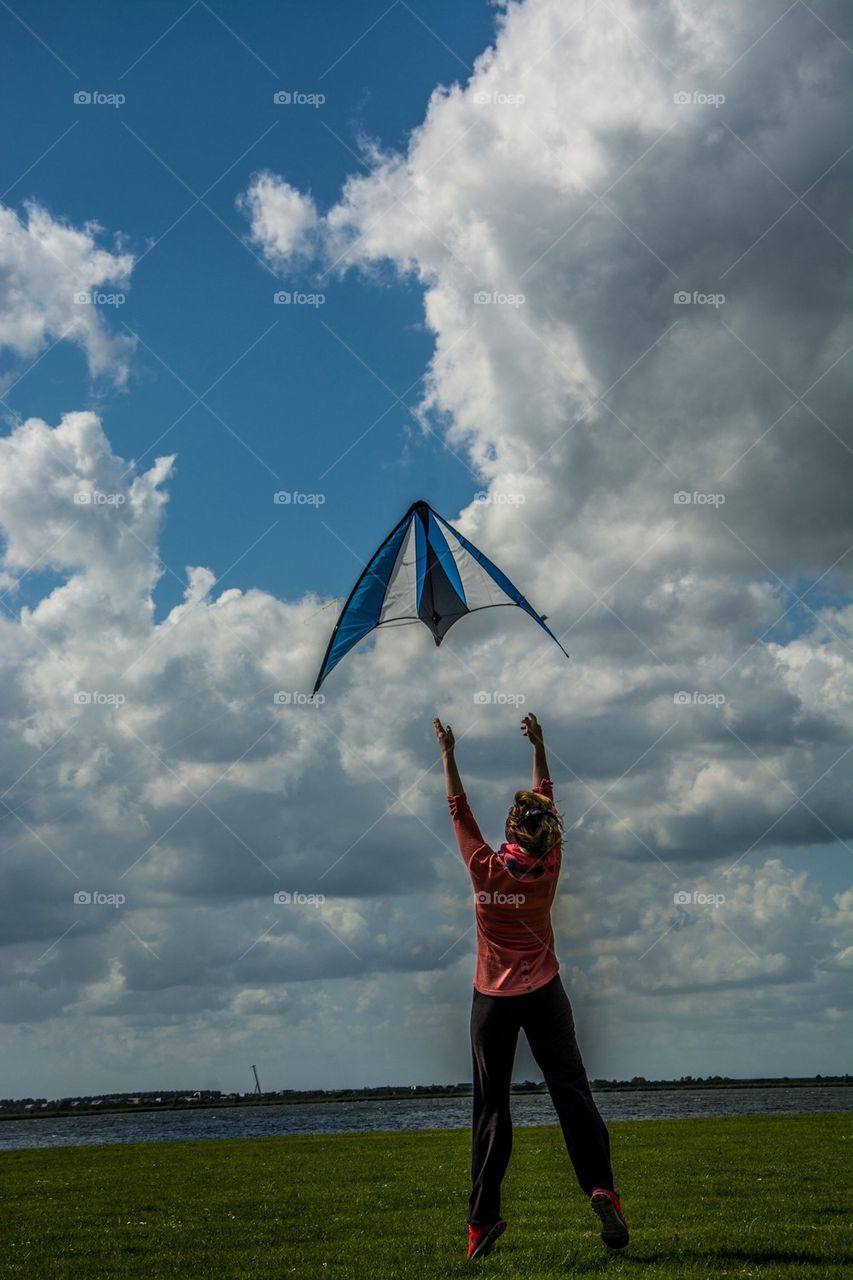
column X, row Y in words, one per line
column 532, row 730
column 444, row 734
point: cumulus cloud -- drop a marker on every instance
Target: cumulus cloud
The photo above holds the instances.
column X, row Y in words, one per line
column 567, row 173
column 55, row 281
column 283, row 220
column 552, row 209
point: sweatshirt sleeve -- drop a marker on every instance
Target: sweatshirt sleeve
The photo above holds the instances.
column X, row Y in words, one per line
column 465, row 828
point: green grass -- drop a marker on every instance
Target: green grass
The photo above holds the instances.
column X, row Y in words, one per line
column 755, row 1196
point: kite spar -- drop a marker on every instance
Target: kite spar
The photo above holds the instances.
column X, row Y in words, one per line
column 424, row 571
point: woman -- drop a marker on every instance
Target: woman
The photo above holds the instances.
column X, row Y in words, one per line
column 517, row 986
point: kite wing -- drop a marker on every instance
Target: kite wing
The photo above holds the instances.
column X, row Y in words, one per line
column 424, row 571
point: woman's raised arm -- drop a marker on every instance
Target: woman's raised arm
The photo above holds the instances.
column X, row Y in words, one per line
column 447, row 745
column 532, row 730
column 468, row 834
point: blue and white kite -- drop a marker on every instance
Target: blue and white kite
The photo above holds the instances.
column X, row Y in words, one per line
column 424, row 571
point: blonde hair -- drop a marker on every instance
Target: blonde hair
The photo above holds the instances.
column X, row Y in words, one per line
column 542, row 837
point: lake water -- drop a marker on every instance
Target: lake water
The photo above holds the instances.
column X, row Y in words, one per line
column 406, row 1114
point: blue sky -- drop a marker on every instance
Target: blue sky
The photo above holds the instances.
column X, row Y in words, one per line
column 200, row 97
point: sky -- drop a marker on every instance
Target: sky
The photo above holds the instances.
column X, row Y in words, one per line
column 577, row 273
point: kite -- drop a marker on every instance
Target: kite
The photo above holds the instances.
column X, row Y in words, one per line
column 424, row 571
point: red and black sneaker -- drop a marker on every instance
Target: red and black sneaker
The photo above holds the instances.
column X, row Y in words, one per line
column 614, row 1228
column 481, row 1240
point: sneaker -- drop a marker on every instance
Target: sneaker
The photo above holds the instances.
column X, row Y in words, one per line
column 481, row 1240
column 614, row 1228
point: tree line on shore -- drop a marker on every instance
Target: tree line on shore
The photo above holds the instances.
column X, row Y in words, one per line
column 178, row 1098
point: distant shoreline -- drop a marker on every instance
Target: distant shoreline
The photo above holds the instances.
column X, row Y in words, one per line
column 401, row 1094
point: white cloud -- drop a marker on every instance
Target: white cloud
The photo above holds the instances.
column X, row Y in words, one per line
column 57, row 283
column 283, row 221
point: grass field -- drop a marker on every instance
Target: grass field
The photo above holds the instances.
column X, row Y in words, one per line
column 756, row 1196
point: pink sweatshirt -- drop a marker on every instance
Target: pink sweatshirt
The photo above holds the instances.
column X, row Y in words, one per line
column 515, row 941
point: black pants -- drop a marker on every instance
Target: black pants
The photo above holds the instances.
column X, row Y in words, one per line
column 546, row 1017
